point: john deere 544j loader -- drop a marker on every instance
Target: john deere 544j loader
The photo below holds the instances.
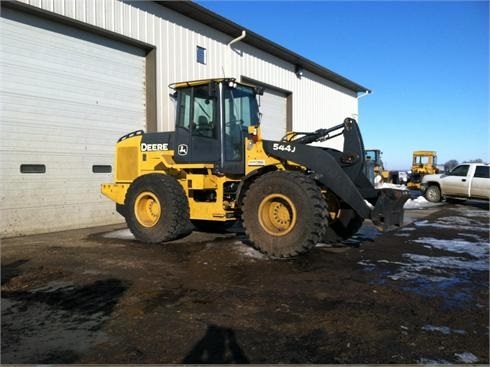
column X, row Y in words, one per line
column 215, row 169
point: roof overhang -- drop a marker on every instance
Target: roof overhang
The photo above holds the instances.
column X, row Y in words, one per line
column 213, row 20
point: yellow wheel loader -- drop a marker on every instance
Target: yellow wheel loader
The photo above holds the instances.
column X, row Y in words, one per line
column 375, row 156
column 216, row 169
column 424, row 162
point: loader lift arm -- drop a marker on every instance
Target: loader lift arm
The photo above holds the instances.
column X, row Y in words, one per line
column 341, row 172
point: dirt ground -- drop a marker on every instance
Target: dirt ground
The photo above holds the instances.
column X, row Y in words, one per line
column 416, row 295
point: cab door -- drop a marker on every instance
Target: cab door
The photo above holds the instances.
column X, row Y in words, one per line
column 196, row 135
column 239, row 110
column 457, row 182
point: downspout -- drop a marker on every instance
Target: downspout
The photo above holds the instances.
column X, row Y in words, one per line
column 238, row 39
column 364, row 94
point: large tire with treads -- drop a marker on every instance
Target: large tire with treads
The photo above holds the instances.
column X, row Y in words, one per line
column 284, row 213
column 157, row 209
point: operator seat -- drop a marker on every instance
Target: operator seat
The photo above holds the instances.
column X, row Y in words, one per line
column 204, row 127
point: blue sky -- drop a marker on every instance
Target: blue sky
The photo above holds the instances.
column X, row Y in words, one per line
column 427, row 63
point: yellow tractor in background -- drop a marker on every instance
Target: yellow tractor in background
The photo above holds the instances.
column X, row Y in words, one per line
column 424, row 162
column 216, row 169
column 375, row 156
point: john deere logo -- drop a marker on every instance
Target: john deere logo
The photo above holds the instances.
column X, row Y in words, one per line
column 182, row 149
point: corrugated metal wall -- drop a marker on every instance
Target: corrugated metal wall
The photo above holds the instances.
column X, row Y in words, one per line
column 66, row 96
column 316, row 102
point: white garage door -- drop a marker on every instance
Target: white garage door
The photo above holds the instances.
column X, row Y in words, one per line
column 66, row 96
column 273, row 106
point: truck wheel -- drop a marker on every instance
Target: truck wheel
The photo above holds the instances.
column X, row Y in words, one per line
column 433, row 194
column 157, row 209
column 283, row 214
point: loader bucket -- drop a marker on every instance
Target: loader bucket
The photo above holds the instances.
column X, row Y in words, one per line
column 388, row 211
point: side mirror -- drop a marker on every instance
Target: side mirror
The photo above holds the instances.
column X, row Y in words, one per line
column 259, row 91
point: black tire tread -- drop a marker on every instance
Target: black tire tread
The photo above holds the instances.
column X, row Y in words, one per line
column 175, row 222
column 315, row 226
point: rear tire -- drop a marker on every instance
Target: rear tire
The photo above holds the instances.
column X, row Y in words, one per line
column 284, row 214
column 157, row 209
column 433, row 194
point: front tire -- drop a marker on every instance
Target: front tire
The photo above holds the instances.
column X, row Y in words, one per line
column 433, row 194
column 283, row 214
column 157, row 209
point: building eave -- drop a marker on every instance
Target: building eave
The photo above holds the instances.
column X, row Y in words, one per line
column 216, row 21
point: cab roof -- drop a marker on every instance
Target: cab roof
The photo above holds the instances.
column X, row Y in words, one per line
column 194, row 83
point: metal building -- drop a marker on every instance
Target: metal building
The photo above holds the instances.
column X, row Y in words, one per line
column 78, row 74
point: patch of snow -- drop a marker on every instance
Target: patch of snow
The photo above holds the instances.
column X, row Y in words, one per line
column 248, row 251
column 407, row 229
column 366, row 263
column 472, row 213
column 458, row 245
column 443, row 329
column 437, row 264
column 459, row 221
column 386, row 185
column 122, row 234
column 466, row 357
column 419, row 203
column 457, row 224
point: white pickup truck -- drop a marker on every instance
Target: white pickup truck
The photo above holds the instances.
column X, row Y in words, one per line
column 466, row 181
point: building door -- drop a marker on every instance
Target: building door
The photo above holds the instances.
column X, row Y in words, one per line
column 66, row 97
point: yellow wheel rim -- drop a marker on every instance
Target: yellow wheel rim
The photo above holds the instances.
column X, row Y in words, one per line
column 277, row 215
column 147, row 209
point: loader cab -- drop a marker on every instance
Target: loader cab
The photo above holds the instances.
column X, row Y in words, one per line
column 212, row 122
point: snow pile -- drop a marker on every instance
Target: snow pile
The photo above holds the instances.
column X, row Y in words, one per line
column 385, row 185
column 419, row 203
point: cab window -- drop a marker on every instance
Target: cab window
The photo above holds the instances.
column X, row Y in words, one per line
column 461, row 171
column 197, row 112
column 240, row 111
column 482, row 171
